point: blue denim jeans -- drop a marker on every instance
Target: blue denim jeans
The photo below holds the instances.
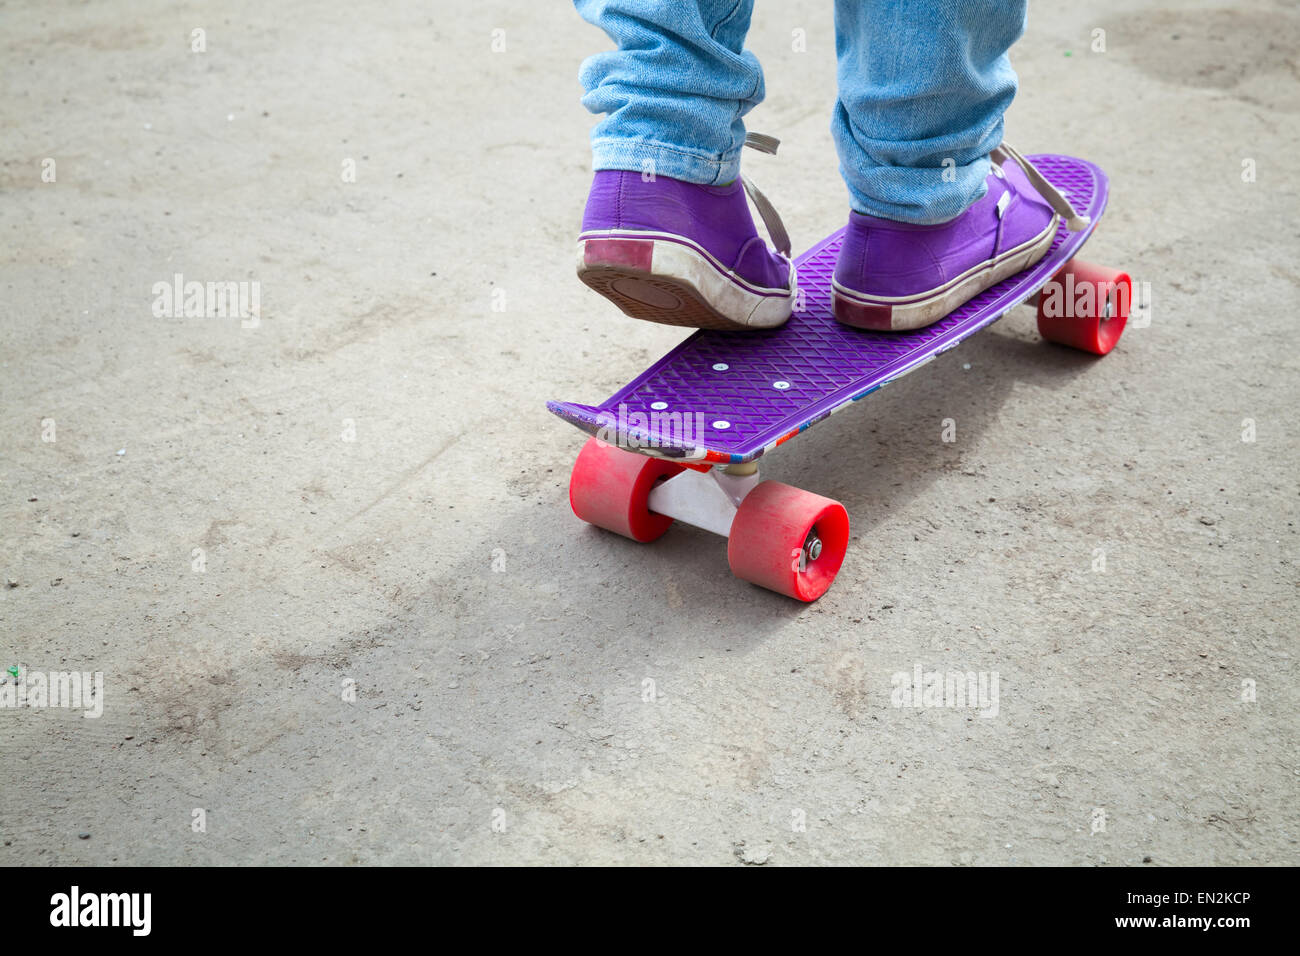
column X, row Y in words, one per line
column 922, row 85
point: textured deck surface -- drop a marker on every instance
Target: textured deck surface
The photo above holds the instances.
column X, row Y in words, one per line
column 731, row 396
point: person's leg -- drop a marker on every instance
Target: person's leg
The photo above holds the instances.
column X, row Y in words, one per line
column 667, row 235
column 935, row 219
column 675, row 91
column 923, row 85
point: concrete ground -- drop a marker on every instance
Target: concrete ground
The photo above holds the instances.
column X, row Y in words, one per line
column 364, row 496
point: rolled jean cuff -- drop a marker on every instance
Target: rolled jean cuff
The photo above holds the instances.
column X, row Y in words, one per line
column 703, row 169
column 920, row 196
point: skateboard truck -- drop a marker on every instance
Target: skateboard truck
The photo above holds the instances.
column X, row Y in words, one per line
column 706, row 500
column 780, row 537
column 711, row 500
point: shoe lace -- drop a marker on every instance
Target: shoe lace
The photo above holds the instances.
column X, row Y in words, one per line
column 1074, row 221
column 771, row 218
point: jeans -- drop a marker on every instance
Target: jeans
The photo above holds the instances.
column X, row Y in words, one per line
column 922, row 86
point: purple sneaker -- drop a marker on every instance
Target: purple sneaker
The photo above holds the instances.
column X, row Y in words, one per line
column 893, row 276
column 682, row 254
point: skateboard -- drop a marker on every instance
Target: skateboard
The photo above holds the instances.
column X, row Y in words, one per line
column 682, row 440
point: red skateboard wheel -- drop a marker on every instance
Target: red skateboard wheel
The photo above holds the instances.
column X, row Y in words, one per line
column 770, row 530
column 610, row 488
column 1085, row 306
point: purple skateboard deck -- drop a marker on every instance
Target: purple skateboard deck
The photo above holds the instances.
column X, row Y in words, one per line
column 732, row 396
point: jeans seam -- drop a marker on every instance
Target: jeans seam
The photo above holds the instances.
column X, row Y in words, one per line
column 713, row 31
column 713, row 35
column 618, row 219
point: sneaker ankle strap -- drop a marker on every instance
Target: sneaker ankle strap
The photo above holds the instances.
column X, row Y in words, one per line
column 1073, row 220
column 771, row 218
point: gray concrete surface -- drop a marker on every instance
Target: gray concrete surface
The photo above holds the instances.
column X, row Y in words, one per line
column 501, row 716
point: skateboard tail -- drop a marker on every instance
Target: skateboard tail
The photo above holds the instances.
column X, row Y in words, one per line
column 662, row 435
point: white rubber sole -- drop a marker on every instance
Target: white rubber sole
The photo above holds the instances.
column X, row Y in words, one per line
column 666, row 279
